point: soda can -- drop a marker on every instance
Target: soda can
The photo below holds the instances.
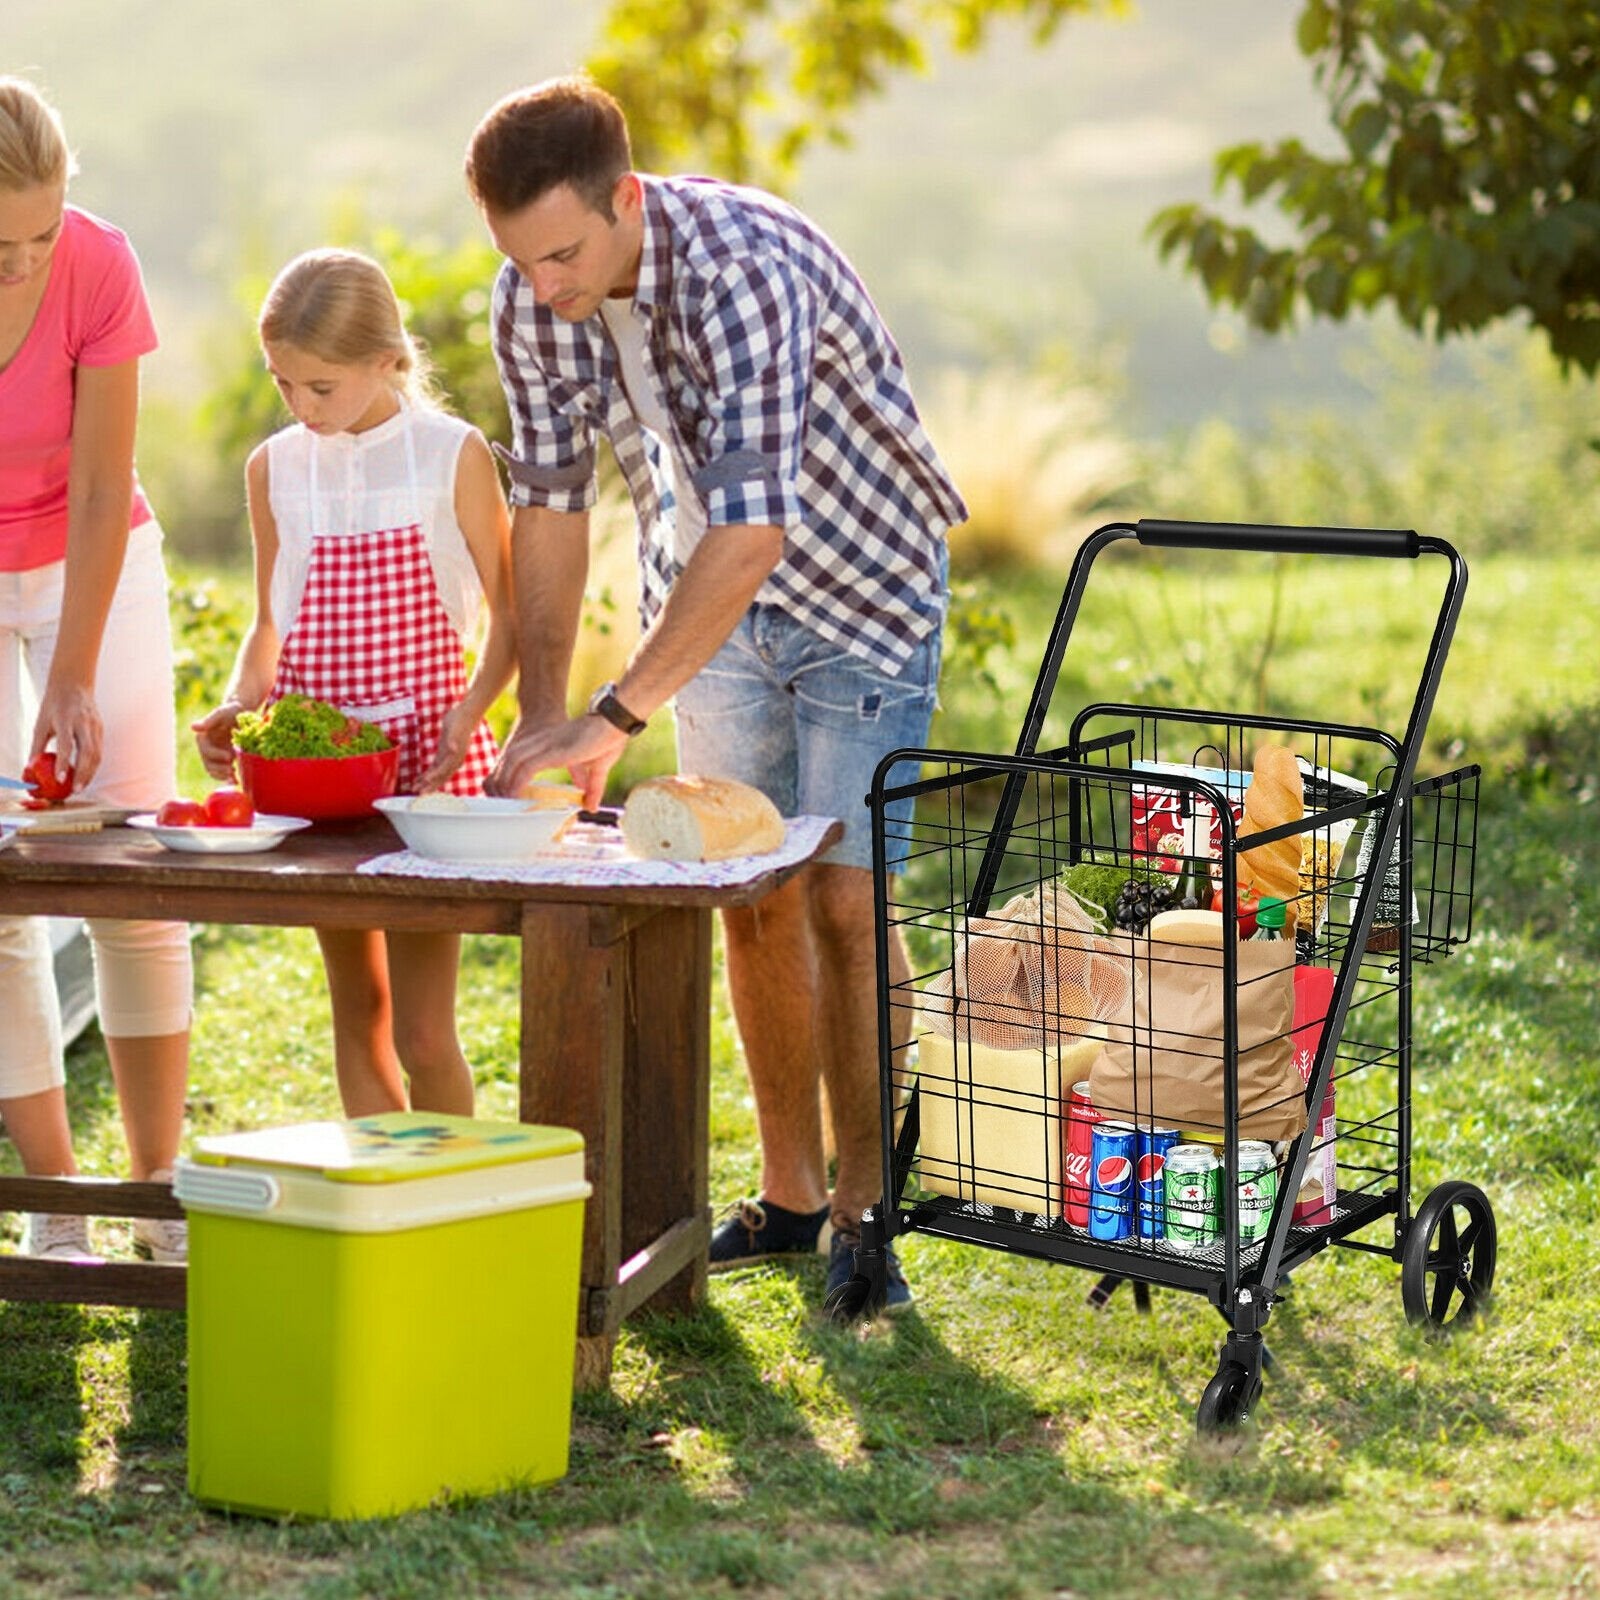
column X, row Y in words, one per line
column 1193, row 1182
column 1081, row 1120
column 1150, row 1164
column 1111, row 1192
column 1258, row 1188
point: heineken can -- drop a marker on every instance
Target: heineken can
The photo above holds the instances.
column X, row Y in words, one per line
column 1193, row 1183
column 1150, row 1179
column 1258, row 1188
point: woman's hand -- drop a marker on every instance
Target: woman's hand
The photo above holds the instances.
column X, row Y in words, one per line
column 69, row 720
column 455, row 739
column 214, row 737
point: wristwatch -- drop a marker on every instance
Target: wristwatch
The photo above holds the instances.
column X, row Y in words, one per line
column 604, row 703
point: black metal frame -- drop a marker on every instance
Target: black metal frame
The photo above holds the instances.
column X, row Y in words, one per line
column 1094, row 763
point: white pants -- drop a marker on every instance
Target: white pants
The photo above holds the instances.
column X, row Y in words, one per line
column 144, row 978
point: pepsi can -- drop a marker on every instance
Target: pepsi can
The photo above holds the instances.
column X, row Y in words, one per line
column 1111, row 1158
column 1150, row 1178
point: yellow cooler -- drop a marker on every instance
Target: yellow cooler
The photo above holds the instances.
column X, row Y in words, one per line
column 380, row 1311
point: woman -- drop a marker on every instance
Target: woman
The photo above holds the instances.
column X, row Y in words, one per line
column 83, row 612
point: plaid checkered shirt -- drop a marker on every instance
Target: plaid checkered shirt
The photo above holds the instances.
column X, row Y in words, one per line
column 787, row 398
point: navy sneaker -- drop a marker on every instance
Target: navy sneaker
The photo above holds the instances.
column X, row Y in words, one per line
column 842, row 1266
column 755, row 1230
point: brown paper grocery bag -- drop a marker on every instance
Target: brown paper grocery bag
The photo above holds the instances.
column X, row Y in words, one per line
column 1166, row 1067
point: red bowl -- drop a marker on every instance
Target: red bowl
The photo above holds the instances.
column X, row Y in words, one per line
column 322, row 788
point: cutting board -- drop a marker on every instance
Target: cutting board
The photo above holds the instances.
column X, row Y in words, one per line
column 71, row 816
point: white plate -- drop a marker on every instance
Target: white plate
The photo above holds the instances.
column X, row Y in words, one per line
column 486, row 829
column 266, row 833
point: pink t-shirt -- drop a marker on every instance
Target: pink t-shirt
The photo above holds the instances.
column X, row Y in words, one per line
column 93, row 314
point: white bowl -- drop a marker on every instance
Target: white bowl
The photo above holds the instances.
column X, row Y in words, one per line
column 485, row 829
column 267, row 832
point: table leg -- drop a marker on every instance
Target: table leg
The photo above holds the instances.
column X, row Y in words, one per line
column 665, row 1164
column 616, row 1042
column 574, row 1015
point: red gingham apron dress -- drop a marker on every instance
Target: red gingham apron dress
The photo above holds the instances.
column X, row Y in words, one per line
column 373, row 637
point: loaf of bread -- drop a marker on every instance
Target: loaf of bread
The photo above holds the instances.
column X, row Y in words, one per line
column 1276, row 795
column 551, row 796
column 684, row 818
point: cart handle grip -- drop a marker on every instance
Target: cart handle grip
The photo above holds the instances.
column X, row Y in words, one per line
column 1285, row 541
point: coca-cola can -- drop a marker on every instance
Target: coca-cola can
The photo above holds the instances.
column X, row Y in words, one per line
column 1081, row 1118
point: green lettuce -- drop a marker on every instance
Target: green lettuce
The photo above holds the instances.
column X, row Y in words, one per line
column 297, row 726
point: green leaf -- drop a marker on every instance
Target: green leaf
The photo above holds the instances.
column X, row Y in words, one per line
column 1364, row 128
column 1314, row 28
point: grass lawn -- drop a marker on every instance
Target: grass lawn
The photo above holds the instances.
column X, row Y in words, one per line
column 1003, row 1440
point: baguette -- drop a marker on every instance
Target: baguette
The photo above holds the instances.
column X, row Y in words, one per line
column 685, row 818
column 1276, row 795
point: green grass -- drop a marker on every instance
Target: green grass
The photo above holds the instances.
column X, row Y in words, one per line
column 1002, row 1441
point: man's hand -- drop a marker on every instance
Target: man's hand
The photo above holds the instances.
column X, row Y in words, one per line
column 588, row 747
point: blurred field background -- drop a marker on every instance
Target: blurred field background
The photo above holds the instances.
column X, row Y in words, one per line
column 1004, row 1442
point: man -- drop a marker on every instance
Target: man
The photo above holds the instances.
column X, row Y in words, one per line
column 793, row 577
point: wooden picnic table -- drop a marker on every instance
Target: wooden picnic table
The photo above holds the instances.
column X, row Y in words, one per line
column 615, row 1036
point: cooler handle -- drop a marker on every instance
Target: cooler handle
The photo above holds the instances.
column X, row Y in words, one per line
column 1277, row 540
column 225, row 1188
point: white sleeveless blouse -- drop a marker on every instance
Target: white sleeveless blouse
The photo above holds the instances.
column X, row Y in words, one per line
column 363, row 484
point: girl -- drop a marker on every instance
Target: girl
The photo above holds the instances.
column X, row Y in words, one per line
column 83, row 610
column 378, row 523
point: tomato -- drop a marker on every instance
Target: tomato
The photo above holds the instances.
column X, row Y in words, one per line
column 229, row 808
column 182, row 814
column 1248, row 905
column 48, row 784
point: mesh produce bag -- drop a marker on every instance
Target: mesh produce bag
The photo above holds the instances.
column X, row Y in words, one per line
column 1036, row 971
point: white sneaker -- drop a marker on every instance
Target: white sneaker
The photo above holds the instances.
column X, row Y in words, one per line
column 161, row 1239
column 53, row 1237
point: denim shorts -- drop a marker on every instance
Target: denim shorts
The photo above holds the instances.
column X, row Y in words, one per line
column 806, row 722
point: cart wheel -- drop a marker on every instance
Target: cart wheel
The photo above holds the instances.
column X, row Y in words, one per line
column 1229, row 1399
column 851, row 1302
column 1449, row 1251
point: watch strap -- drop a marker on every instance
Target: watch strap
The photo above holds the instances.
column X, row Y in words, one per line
column 606, row 704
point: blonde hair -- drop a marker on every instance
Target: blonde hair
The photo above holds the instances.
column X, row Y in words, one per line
column 33, row 144
column 340, row 307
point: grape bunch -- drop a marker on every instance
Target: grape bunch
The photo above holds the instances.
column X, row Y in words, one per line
column 1139, row 901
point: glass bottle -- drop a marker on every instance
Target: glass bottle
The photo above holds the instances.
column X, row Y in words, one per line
column 1193, row 887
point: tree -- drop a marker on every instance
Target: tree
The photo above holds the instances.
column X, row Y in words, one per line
column 1468, row 188
column 701, row 78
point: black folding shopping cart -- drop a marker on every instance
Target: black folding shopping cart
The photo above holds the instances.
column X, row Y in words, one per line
column 1018, row 984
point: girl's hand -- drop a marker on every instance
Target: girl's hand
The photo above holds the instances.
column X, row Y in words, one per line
column 455, row 739
column 213, row 735
column 69, row 719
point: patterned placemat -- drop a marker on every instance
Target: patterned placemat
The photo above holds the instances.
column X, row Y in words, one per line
column 596, row 855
